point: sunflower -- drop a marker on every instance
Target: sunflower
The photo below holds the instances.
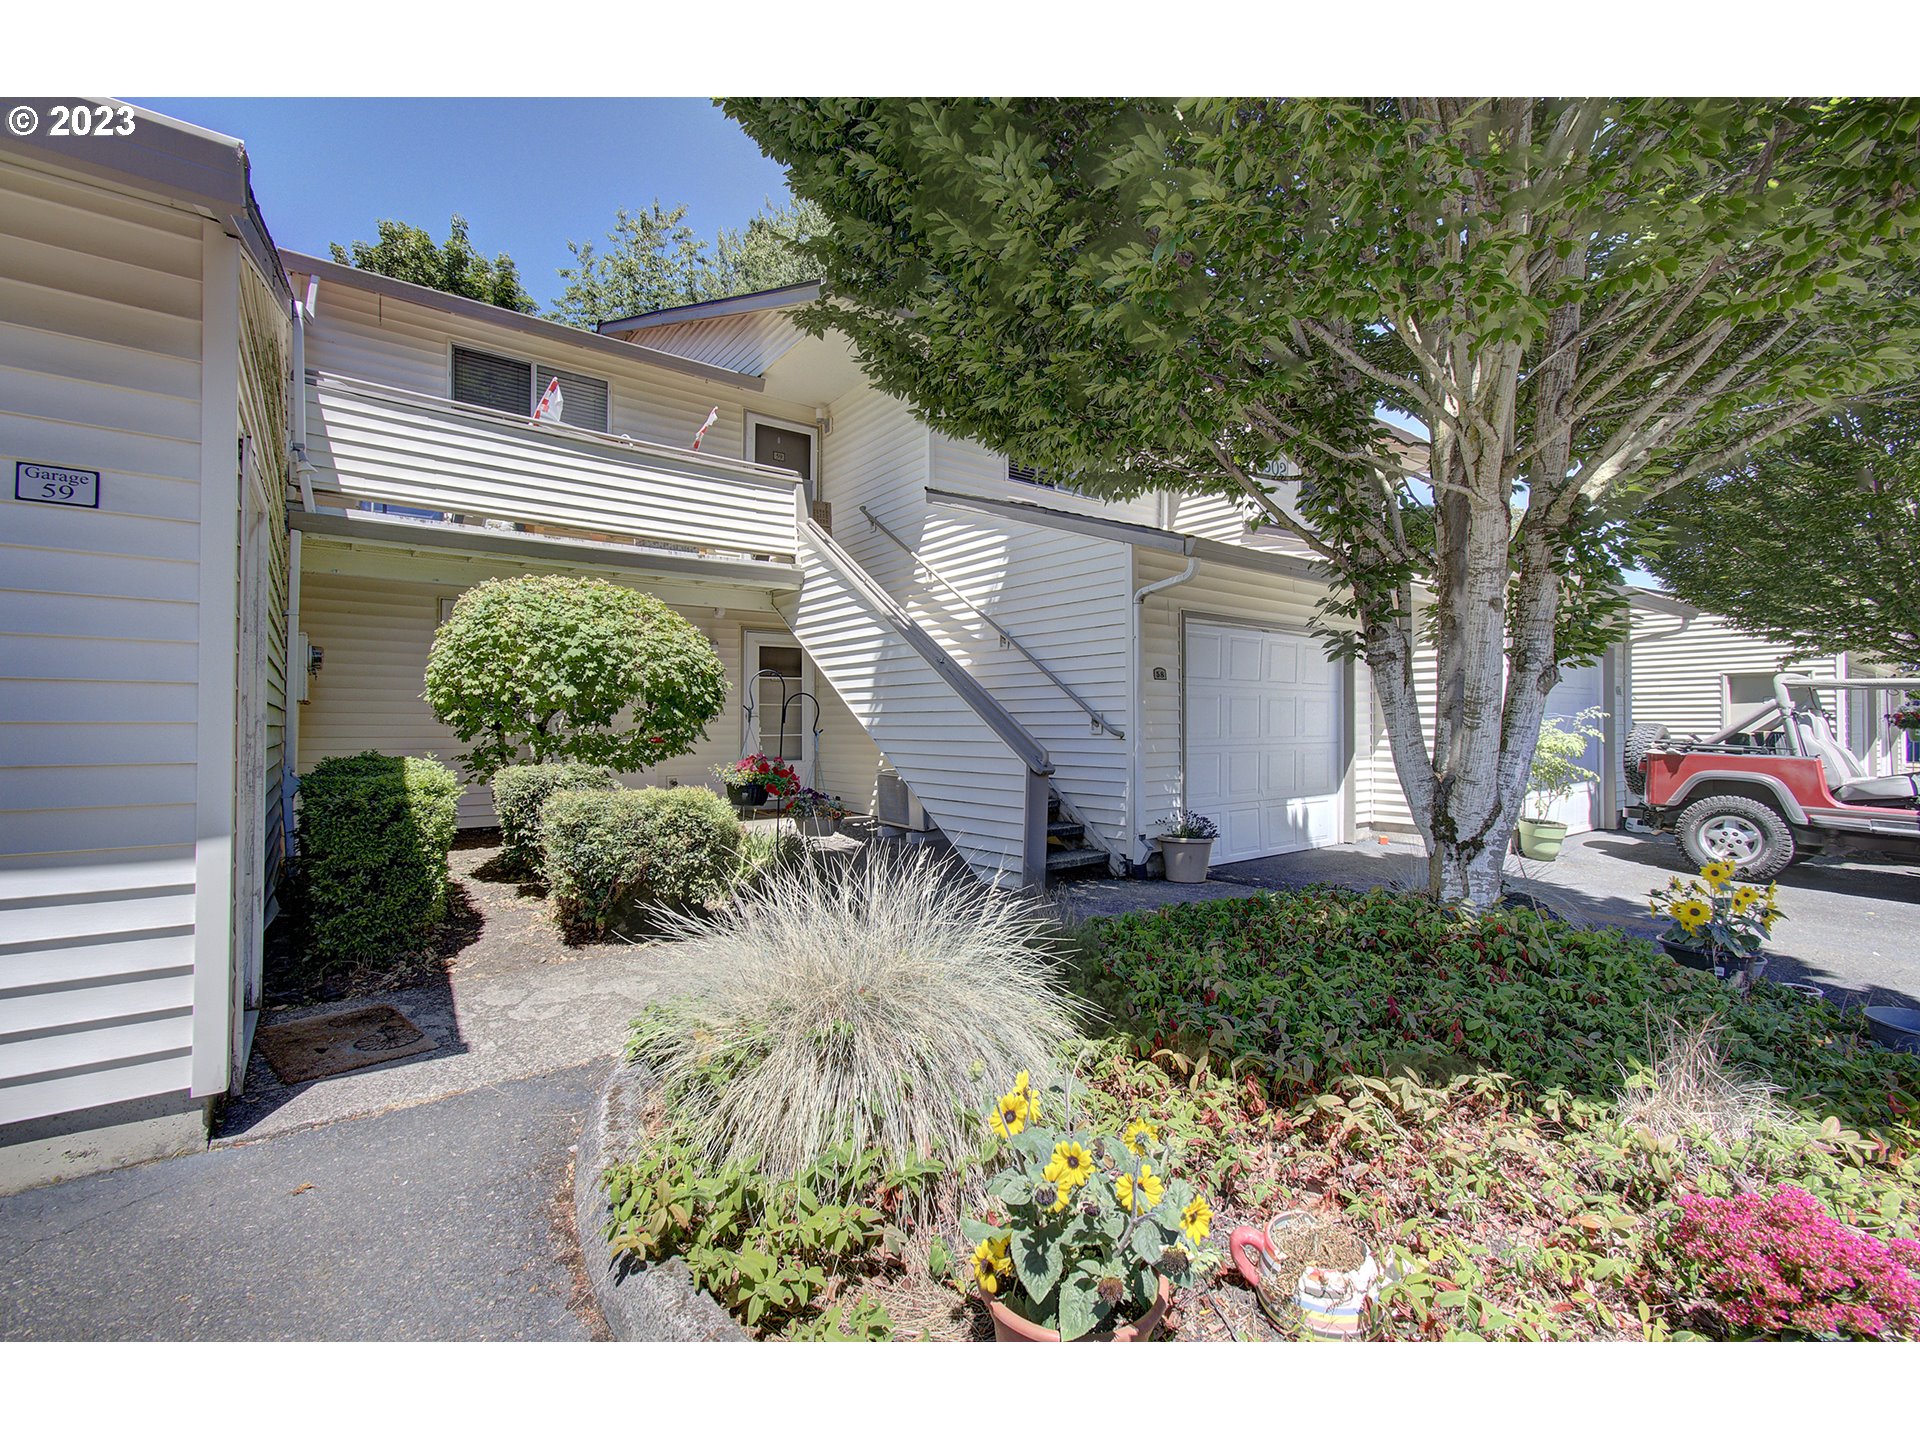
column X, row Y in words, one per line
column 1139, row 1137
column 1717, row 872
column 1012, row 1114
column 1023, row 1087
column 1149, row 1186
column 1197, row 1219
column 1071, row 1165
column 1063, row 1197
column 1743, row 898
column 991, row 1264
column 1691, row 914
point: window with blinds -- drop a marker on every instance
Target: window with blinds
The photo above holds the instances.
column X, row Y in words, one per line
column 500, row 382
column 585, row 397
column 1035, row 475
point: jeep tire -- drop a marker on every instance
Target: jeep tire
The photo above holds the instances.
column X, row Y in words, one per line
column 1749, row 832
column 1641, row 740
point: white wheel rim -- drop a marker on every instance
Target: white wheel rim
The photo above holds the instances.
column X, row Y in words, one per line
column 1732, row 837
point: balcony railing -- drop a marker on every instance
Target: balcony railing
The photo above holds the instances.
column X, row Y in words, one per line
column 373, row 443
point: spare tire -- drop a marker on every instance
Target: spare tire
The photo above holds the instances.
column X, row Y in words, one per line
column 1642, row 741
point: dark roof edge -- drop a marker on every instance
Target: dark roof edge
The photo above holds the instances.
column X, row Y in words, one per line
column 169, row 159
column 779, row 298
column 378, row 284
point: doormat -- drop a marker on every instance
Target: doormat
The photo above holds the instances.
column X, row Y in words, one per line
column 305, row 1050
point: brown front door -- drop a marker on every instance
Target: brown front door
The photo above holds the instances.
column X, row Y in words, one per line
column 784, row 449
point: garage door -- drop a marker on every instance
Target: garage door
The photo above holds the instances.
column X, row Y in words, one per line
column 1577, row 691
column 1263, row 744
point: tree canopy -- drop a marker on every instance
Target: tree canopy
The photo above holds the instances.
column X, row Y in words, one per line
column 406, row 252
column 653, row 259
column 1587, row 302
column 550, row 667
column 1814, row 543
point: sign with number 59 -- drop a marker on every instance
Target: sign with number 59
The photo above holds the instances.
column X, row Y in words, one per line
column 56, row 485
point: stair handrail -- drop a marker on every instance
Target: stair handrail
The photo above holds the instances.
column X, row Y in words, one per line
column 1011, row 732
column 1100, row 721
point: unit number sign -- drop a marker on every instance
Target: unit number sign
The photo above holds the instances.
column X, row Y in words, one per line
column 56, row 485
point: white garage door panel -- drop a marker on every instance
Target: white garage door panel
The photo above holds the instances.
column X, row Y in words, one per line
column 1577, row 691
column 1262, row 732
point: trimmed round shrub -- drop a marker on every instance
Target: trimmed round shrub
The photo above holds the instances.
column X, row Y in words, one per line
column 374, row 831
column 612, row 854
column 519, row 792
column 553, row 667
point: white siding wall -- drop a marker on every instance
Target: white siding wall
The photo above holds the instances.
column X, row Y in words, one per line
column 376, row 630
column 101, row 628
column 1215, row 592
column 392, row 342
column 747, row 343
column 1679, row 670
column 971, row 784
column 1064, row 596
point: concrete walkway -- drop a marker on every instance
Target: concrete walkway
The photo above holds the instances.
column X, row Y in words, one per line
column 1851, row 928
column 429, row 1198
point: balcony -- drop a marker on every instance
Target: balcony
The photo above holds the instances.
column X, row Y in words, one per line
column 371, row 445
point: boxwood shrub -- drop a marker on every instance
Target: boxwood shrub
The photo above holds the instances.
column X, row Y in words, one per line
column 374, row 831
column 519, row 792
column 607, row 854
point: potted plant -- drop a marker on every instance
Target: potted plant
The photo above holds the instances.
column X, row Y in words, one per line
column 751, row 779
column 1186, row 840
column 1907, row 716
column 1556, row 771
column 814, row 812
column 1083, row 1236
column 1715, row 924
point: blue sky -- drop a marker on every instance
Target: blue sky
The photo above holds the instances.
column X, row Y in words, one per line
column 529, row 175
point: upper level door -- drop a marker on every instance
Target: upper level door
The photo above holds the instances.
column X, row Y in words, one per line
column 784, row 714
column 784, row 447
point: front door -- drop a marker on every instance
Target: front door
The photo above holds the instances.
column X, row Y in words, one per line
column 782, row 447
column 776, row 671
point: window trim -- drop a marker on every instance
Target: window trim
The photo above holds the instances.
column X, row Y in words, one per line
column 533, row 381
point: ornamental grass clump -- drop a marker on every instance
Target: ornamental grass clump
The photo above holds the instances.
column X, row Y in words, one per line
column 870, row 1003
column 1783, row 1264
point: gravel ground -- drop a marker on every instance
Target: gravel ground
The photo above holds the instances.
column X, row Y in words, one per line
column 1851, row 928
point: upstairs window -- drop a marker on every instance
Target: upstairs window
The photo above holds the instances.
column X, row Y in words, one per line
column 1035, row 475
column 499, row 382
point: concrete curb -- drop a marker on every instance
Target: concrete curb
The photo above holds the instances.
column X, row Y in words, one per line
column 653, row 1302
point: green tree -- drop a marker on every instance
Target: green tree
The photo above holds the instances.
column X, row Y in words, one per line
column 768, row 253
column 653, row 259
column 1587, row 302
column 1814, row 543
column 406, row 252
column 548, row 667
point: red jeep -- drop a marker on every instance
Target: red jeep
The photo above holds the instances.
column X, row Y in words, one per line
column 1774, row 787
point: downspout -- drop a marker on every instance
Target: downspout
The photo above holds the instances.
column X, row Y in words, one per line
column 1136, row 638
column 297, row 408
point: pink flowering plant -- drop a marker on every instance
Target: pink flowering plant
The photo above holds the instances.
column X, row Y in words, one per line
column 1782, row 1264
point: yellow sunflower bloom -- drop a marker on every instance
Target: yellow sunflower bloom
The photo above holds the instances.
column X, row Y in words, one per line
column 1063, row 1196
column 1147, row 1187
column 1139, row 1137
column 1197, row 1219
column 1717, row 873
column 1023, row 1087
column 991, row 1264
column 1743, row 898
column 1691, row 914
column 1070, row 1165
column 1011, row 1116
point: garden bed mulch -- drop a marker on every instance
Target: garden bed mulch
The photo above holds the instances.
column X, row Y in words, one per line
column 495, row 923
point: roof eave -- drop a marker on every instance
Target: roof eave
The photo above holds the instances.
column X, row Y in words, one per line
column 779, row 298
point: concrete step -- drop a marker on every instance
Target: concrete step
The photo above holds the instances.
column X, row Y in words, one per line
column 1074, row 862
column 1067, row 832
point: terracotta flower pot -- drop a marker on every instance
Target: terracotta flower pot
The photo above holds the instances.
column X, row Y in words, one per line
column 1009, row 1326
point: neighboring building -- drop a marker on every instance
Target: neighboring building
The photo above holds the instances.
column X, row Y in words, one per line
column 301, row 466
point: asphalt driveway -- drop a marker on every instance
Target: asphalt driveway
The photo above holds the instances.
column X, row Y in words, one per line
column 1851, row 928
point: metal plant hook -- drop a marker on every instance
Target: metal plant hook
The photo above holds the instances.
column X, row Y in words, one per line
column 786, row 700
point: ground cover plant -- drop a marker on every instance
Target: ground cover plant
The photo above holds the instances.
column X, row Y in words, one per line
column 1520, row 1113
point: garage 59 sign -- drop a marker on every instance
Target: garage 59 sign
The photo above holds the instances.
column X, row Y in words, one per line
column 56, row 485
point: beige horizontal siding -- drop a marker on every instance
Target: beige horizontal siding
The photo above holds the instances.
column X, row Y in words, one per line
column 100, row 340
